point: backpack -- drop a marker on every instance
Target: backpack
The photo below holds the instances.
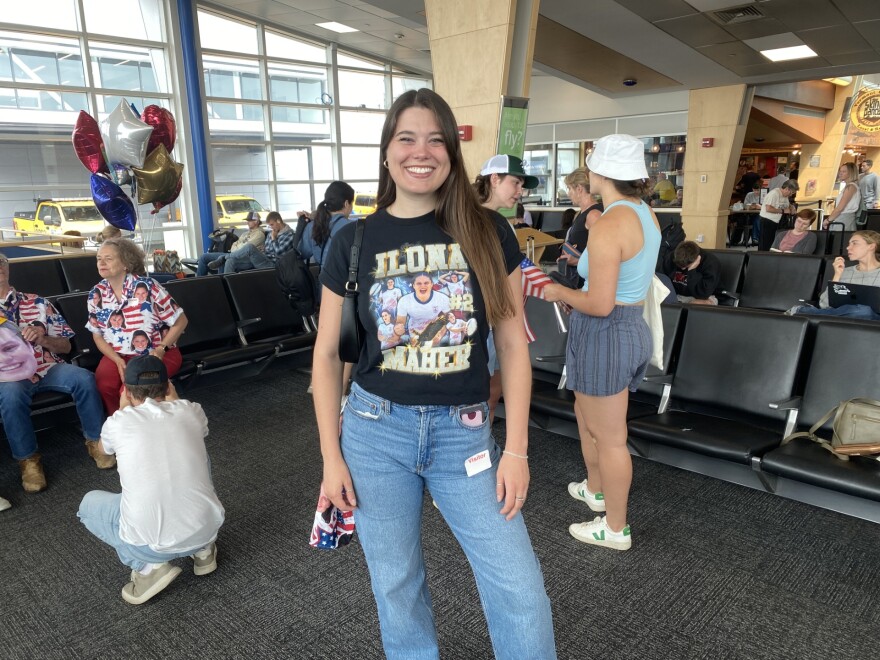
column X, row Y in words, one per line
column 671, row 235
column 295, row 277
column 855, row 430
column 222, row 240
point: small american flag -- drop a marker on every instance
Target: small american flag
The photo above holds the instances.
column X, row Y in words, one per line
column 533, row 281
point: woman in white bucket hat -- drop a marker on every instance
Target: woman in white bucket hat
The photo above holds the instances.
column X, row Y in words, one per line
column 609, row 343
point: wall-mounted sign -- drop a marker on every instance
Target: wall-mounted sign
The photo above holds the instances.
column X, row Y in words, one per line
column 864, row 118
column 815, row 160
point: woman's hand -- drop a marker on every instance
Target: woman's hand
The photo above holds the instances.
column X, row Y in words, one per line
column 553, row 292
column 338, row 485
column 839, row 265
column 120, row 365
column 512, row 484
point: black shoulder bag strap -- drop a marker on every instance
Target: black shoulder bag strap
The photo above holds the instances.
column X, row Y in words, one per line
column 351, row 332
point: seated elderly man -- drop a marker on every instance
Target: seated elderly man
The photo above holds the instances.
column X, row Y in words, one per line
column 33, row 334
column 279, row 241
column 255, row 236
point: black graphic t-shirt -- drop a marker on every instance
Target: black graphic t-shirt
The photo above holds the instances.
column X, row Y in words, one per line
column 421, row 307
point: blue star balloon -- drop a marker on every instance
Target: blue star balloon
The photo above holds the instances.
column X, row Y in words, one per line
column 116, row 207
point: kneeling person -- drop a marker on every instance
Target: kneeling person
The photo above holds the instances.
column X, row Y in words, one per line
column 168, row 508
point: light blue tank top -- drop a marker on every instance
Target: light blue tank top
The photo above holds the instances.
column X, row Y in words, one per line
column 636, row 273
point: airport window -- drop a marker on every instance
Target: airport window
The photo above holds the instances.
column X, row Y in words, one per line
column 45, row 83
column 302, row 141
column 279, row 45
column 53, row 14
column 125, row 19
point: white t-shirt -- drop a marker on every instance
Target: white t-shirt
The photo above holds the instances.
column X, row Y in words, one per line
column 776, row 199
column 168, row 498
column 420, row 314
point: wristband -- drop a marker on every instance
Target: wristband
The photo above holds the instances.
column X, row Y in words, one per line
column 510, row 453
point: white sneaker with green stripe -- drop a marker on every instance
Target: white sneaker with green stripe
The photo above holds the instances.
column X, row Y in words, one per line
column 598, row 532
column 579, row 491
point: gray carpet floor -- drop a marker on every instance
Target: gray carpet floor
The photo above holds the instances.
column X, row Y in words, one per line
column 716, row 570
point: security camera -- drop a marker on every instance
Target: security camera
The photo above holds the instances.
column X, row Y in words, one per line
column 630, row 82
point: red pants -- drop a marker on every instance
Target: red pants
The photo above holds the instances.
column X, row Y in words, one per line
column 110, row 384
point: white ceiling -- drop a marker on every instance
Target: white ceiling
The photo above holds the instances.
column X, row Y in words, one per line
column 685, row 43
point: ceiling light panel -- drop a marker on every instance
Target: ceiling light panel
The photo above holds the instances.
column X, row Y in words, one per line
column 790, row 53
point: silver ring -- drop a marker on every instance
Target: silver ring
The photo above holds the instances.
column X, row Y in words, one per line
column 520, row 499
column 497, row 484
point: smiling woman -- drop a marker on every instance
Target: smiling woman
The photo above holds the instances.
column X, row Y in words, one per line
column 435, row 271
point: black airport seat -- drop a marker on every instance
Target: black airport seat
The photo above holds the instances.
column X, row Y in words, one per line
column 74, row 307
column 255, row 294
column 547, row 355
column 733, row 264
column 211, row 339
column 40, row 276
column 732, row 364
column 80, row 273
column 844, row 365
column 649, row 397
column 548, row 400
column 551, row 221
column 778, row 281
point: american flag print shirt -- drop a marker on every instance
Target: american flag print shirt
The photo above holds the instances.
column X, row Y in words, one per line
column 145, row 306
column 29, row 309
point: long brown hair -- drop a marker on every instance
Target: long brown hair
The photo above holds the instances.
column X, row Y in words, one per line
column 458, row 212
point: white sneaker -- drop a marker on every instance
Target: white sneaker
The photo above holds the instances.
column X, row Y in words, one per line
column 4, row 504
column 598, row 533
column 579, row 491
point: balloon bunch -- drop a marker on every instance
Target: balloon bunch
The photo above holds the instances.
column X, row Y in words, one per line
column 129, row 149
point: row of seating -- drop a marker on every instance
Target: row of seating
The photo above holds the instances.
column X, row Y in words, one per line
column 239, row 322
column 55, row 275
column 771, row 280
column 736, row 382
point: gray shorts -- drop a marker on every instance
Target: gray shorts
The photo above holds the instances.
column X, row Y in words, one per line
column 606, row 355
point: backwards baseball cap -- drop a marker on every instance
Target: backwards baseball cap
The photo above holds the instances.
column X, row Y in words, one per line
column 503, row 164
column 620, row 157
column 253, row 215
column 146, row 370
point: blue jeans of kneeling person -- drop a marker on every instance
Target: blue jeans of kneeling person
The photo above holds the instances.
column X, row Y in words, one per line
column 15, row 405
column 99, row 512
column 847, row 311
column 246, row 258
column 393, row 453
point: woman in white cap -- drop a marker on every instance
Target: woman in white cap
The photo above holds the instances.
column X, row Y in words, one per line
column 501, row 182
column 609, row 343
column 499, row 186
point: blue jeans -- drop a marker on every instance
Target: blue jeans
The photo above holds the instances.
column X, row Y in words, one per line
column 393, row 453
column 205, row 259
column 246, row 258
column 15, row 402
column 99, row 512
column 847, row 311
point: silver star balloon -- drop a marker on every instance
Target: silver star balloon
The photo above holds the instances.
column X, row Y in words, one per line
column 125, row 136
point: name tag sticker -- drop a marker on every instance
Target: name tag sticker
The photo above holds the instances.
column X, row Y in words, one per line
column 477, row 463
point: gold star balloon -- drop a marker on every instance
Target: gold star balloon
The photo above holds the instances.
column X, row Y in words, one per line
column 157, row 180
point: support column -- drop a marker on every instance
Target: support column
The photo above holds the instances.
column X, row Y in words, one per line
column 481, row 50
column 720, row 113
column 817, row 182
